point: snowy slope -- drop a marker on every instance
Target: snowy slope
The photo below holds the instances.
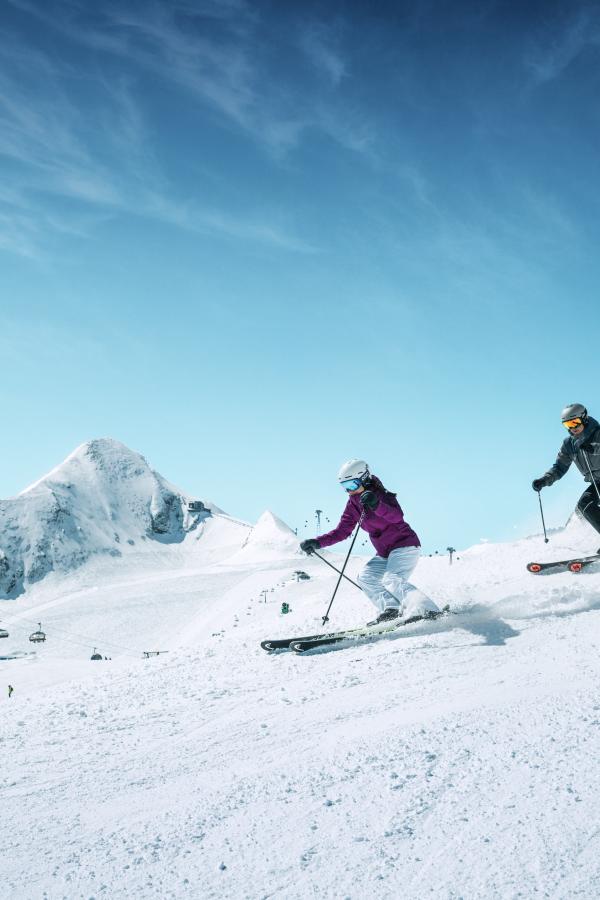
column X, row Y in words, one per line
column 457, row 759
column 104, row 500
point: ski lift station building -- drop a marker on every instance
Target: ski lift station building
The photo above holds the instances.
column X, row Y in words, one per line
column 198, row 509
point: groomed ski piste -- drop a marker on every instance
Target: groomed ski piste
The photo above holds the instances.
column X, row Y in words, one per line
column 452, row 759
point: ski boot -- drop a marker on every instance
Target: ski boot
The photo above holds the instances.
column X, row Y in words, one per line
column 386, row 616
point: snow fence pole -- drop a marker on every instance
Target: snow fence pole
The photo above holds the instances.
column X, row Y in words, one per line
column 542, row 515
column 326, row 616
column 594, row 482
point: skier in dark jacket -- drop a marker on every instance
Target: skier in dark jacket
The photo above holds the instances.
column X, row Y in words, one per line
column 583, row 448
column 384, row 579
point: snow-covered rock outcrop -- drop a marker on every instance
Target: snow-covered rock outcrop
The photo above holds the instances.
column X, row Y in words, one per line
column 102, row 499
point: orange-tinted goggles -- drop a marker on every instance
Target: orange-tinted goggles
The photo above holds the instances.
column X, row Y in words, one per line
column 573, row 423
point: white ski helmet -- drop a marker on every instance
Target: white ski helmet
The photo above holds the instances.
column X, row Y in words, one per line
column 354, row 468
column 574, row 411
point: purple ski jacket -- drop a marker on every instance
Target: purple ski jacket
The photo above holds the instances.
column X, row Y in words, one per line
column 385, row 524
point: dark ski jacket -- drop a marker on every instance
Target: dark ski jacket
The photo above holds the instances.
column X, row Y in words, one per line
column 571, row 451
column 385, row 524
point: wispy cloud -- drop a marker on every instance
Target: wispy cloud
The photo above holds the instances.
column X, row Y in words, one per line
column 260, row 231
column 256, row 229
column 320, row 42
column 216, row 52
column 102, row 158
column 218, row 70
column 561, row 42
column 223, row 65
column 350, row 128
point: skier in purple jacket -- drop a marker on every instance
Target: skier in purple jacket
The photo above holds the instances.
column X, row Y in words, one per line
column 384, row 579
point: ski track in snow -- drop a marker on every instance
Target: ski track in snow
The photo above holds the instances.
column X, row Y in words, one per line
column 455, row 759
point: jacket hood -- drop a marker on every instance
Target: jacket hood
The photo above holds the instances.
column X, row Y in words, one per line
column 590, row 426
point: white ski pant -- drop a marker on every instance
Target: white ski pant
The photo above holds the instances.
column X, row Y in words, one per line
column 386, row 584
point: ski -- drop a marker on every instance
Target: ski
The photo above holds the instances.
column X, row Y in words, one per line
column 303, row 644
column 570, row 565
column 309, row 642
column 284, row 643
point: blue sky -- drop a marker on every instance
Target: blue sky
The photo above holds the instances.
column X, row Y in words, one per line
column 252, row 240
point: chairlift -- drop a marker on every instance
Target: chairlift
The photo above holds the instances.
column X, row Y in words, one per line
column 38, row 636
column 3, row 632
column 96, row 655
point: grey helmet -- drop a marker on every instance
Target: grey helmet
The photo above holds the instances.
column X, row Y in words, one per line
column 574, row 411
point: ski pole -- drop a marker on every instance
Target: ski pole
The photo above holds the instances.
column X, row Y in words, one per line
column 585, row 456
column 335, row 569
column 542, row 514
column 356, row 585
column 326, row 616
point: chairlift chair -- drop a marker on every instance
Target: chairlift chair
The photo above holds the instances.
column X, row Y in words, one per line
column 38, row 636
column 96, row 655
column 3, row 632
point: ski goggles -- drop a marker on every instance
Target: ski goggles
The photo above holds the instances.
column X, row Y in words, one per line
column 351, row 484
column 573, row 423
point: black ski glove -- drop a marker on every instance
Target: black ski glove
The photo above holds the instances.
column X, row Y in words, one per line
column 369, row 500
column 310, row 545
column 538, row 483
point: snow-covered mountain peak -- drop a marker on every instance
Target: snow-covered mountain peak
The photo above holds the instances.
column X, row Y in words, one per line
column 270, row 532
column 270, row 539
column 271, row 527
column 103, row 499
column 93, row 462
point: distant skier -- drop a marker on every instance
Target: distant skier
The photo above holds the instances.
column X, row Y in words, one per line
column 384, row 579
column 10, row 690
column 583, row 448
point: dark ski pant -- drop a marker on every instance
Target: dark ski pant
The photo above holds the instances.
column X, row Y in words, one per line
column 589, row 507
